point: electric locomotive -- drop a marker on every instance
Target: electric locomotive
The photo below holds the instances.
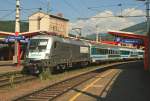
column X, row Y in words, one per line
column 55, row 53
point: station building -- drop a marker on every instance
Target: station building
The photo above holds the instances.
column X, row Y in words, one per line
column 51, row 23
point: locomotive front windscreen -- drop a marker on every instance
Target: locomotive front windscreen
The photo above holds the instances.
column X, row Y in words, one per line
column 38, row 45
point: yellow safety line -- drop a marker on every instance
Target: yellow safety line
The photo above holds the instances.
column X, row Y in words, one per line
column 87, row 87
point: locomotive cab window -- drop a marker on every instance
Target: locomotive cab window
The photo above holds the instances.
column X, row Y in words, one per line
column 38, row 44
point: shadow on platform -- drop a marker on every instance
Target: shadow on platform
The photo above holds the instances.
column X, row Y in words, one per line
column 132, row 84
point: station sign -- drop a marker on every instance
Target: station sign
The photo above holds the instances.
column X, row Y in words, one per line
column 20, row 37
column 129, row 41
column 14, row 38
column 132, row 41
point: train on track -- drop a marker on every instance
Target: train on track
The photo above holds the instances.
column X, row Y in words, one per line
column 57, row 53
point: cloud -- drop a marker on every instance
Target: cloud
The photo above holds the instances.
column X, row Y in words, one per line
column 133, row 12
column 105, row 21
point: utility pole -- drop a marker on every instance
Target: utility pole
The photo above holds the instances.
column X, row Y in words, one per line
column 120, row 5
column 97, row 36
column 147, row 40
column 147, row 16
column 148, row 30
column 16, row 58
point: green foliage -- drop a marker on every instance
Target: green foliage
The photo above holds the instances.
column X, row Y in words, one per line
column 45, row 74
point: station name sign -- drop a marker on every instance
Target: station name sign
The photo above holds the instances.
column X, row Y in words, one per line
column 130, row 41
column 14, row 38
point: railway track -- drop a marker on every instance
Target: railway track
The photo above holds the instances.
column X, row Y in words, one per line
column 13, row 78
column 57, row 89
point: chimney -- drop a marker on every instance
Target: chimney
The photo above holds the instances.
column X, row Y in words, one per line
column 59, row 15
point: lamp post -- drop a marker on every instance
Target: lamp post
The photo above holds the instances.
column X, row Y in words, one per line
column 48, row 6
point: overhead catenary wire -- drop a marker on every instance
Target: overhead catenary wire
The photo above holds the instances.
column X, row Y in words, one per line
column 72, row 7
column 5, row 10
column 112, row 5
column 84, row 4
column 44, row 3
column 8, row 14
column 119, row 5
column 10, row 2
column 109, row 17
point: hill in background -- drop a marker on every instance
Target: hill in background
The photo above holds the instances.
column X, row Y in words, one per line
column 137, row 29
column 103, row 36
column 9, row 26
column 140, row 28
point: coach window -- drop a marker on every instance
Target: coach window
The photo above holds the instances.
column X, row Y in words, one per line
column 103, row 51
column 111, row 51
column 114, row 51
column 107, row 51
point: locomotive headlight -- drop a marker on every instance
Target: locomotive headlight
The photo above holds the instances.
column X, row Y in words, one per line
column 47, row 56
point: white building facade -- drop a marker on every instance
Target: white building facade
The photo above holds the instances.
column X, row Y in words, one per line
column 51, row 23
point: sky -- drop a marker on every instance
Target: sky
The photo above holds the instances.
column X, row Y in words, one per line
column 81, row 13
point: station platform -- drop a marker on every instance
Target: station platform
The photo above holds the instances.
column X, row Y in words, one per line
column 126, row 82
column 8, row 66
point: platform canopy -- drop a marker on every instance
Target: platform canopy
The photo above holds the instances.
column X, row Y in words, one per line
column 26, row 34
column 38, row 32
column 3, row 34
column 127, row 34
